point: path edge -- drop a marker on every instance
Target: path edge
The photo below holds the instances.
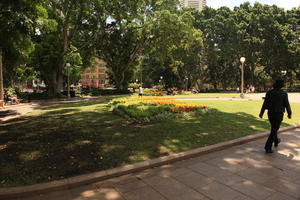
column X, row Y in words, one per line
column 31, row 190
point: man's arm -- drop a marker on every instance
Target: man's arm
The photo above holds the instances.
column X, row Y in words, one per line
column 287, row 106
column 264, row 106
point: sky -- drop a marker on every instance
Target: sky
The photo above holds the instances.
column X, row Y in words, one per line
column 287, row 4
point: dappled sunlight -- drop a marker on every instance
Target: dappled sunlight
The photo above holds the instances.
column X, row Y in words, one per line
column 169, row 146
column 88, row 193
column 28, row 156
column 83, row 142
column 111, row 147
column 290, row 144
column 111, row 195
column 138, row 156
column 202, row 134
column 248, row 183
column 233, row 160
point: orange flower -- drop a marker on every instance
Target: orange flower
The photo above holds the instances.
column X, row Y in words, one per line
column 177, row 106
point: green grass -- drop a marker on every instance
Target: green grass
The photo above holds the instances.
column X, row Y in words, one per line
column 203, row 95
column 76, row 138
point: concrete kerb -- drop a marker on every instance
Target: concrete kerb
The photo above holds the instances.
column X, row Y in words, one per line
column 6, row 193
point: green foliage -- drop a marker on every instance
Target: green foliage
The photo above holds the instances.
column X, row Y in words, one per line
column 28, row 96
column 17, row 21
column 99, row 92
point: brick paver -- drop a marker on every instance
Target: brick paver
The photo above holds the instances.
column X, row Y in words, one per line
column 239, row 173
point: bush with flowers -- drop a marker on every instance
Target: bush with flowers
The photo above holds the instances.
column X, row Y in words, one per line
column 145, row 109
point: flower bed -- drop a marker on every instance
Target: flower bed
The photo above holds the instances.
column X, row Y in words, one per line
column 152, row 108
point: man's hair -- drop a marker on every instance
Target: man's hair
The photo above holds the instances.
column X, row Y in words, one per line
column 278, row 84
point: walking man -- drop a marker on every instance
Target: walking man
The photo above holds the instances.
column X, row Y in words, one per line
column 276, row 102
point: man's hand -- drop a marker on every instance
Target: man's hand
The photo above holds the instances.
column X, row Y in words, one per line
column 261, row 115
column 289, row 116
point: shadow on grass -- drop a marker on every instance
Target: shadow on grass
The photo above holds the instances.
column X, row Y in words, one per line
column 71, row 104
column 68, row 142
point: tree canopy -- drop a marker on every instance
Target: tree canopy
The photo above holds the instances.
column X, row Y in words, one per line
column 148, row 39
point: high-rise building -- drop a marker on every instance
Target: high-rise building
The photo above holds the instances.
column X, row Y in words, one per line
column 197, row 4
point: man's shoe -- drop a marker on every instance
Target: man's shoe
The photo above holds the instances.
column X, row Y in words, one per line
column 269, row 151
column 276, row 143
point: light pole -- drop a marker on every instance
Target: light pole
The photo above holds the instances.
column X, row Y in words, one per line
column 283, row 72
column 161, row 78
column 187, row 83
column 68, row 68
column 242, row 59
column 1, row 82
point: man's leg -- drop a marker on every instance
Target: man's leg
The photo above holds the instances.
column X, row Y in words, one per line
column 275, row 121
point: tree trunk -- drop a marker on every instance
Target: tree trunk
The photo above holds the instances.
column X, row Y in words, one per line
column 1, row 81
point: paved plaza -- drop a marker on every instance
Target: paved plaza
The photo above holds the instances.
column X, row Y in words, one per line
column 240, row 172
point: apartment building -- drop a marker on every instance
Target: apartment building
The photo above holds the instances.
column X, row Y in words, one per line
column 95, row 76
column 197, row 4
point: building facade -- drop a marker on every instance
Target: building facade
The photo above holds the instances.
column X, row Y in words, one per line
column 197, row 4
column 95, row 76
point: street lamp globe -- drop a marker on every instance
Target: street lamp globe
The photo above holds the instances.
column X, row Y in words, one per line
column 283, row 72
column 242, row 59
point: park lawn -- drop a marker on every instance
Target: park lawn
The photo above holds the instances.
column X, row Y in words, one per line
column 71, row 139
column 207, row 95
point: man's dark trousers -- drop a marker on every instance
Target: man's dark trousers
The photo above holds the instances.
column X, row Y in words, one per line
column 275, row 119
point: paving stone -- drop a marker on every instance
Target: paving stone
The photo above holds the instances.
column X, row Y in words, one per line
column 195, row 180
column 172, row 188
column 189, row 195
column 204, row 168
column 253, row 189
column 227, row 163
column 90, row 192
column 145, row 193
column 221, row 175
column 218, row 191
column 255, row 176
column 280, row 196
column 284, row 186
column 164, row 171
column 130, row 186
column 58, row 195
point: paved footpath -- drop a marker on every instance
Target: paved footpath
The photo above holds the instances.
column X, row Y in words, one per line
column 239, row 173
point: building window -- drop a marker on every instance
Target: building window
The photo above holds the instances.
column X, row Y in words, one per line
column 102, row 76
column 102, row 70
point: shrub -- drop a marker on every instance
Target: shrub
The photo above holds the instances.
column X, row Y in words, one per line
column 98, row 92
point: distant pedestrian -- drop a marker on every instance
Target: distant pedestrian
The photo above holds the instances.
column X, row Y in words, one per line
column 276, row 102
column 140, row 91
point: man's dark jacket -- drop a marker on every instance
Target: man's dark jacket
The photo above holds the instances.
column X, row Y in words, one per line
column 276, row 101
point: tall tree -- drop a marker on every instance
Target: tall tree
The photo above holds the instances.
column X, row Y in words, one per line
column 127, row 34
column 77, row 25
column 17, row 20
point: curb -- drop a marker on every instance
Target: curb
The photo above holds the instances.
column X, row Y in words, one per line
column 25, row 191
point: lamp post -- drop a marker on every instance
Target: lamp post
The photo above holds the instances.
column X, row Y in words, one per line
column 242, row 60
column 283, row 72
column 68, row 65
column 161, row 78
column 186, row 83
column 1, row 82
